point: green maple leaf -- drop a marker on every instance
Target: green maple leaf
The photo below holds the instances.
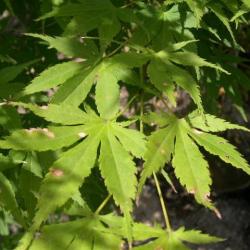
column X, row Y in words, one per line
column 53, row 77
column 190, row 167
column 159, row 151
column 178, row 139
column 67, row 173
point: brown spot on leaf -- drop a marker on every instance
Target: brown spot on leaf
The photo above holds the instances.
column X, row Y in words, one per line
column 48, row 133
column 56, row 172
column 42, row 130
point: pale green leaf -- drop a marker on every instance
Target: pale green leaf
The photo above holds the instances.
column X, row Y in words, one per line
column 65, row 177
column 107, row 96
column 133, row 141
column 118, row 171
column 192, row 59
column 190, row 167
column 43, row 139
column 212, row 123
column 195, row 236
column 62, row 114
column 74, row 90
column 117, row 168
column 161, row 118
column 53, row 77
column 143, row 232
column 221, row 147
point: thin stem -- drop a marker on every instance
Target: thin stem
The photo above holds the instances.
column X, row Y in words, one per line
column 127, row 106
column 103, row 204
column 141, row 100
column 117, row 49
column 129, row 4
column 133, row 46
column 141, row 112
column 98, row 38
column 163, row 205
